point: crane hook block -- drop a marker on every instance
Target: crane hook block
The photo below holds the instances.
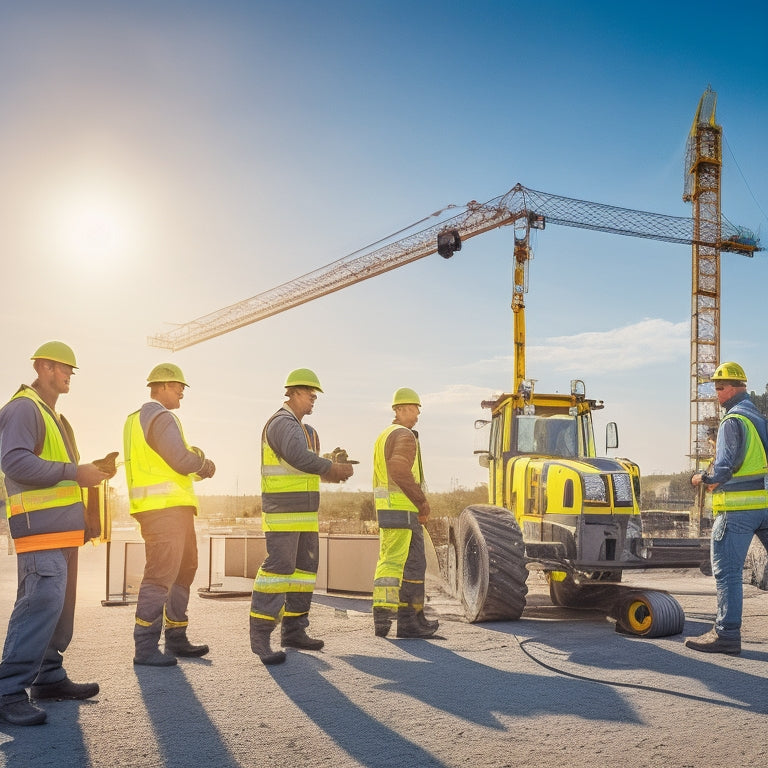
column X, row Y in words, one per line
column 448, row 242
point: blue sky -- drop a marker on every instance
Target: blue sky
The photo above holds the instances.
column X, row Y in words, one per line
column 164, row 159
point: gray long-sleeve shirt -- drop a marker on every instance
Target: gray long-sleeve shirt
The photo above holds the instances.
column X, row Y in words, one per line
column 22, row 430
column 164, row 436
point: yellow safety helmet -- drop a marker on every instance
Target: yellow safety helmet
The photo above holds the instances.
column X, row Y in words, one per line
column 729, row 372
column 57, row 351
column 166, row 372
column 405, row 396
column 303, row 377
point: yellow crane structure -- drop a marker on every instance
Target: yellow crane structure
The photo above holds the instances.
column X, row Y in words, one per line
column 527, row 209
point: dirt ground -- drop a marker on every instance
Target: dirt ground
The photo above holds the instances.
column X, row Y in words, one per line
column 556, row 688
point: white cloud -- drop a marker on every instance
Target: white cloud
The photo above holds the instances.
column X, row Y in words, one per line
column 651, row 341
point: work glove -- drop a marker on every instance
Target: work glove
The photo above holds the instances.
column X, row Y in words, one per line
column 207, row 470
column 108, row 464
column 338, row 473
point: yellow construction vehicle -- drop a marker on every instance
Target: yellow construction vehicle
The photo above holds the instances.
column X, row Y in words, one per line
column 554, row 505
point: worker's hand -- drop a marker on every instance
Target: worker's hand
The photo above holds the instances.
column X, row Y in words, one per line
column 696, row 478
column 107, row 464
column 338, row 473
column 89, row 475
column 424, row 512
column 207, row 470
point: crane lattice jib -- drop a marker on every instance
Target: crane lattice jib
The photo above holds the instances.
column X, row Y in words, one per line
column 517, row 205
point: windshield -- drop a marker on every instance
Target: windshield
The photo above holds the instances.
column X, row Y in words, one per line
column 548, row 435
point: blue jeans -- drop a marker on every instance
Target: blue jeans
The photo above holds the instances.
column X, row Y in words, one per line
column 732, row 534
column 40, row 627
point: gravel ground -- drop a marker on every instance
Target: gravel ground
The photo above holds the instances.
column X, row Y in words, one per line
column 557, row 688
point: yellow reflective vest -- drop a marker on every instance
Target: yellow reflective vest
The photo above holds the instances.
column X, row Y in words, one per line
column 152, row 483
column 48, row 518
column 393, row 508
column 290, row 498
column 754, row 467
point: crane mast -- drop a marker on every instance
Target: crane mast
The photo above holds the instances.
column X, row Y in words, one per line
column 703, row 162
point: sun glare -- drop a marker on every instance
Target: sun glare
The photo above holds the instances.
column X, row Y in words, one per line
column 91, row 226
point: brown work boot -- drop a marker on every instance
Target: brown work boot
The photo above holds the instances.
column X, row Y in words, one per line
column 425, row 623
column 711, row 642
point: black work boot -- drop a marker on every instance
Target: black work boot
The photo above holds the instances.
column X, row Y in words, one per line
column 176, row 642
column 19, row 710
column 261, row 647
column 408, row 624
column 297, row 637
column 428, row 624
column 382, row 621
column 64, row 690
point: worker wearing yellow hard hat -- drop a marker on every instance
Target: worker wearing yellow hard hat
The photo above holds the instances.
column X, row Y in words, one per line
column 46, row 486
column 737, row 479
column 291, row 470
column 160, row 467
column 401, row 509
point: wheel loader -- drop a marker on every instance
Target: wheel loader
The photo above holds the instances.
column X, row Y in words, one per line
column 555, row 506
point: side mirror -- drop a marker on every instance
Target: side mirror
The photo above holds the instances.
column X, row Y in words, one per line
column 484, row 459
column 611, row 435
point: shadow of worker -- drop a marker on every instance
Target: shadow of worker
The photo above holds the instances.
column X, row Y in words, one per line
column 185, row 733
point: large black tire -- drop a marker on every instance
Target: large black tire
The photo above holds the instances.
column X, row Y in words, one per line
column 594, row 591
column 491, row 560
column 649, row 614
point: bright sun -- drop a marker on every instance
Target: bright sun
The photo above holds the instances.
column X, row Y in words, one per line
column 91, row 225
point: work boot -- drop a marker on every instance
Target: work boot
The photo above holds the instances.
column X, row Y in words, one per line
column 261, row 647
column 428, row 624
column 176, row 642
column 21, row 711
column 382, row 621
column 711, row 642
column 154, row 658
column 64, row 689
column 408, row 625
column 296, row 637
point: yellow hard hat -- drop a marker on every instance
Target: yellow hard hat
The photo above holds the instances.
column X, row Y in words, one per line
column 405, row 396
column 57, row 351
column 729, row 372
column 166, row 372
column 303, row 377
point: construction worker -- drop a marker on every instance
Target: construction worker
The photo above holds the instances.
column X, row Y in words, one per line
column 291, row 470
column 46, row 516
column 738, row 480
column 401, row 509
column 160, row 467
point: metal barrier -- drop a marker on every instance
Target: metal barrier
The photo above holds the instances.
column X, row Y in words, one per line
column 347, row 564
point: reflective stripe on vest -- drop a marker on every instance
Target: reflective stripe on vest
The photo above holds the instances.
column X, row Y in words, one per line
column 393, row 508
column 57, row 513
column 754, row 467
column 152, row 483
column 289, row 497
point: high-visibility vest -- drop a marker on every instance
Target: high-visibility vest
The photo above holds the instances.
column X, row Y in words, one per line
column 754, row 467
column 152, row 483
column 393, row 508
column 290, row 498
column 51, row 517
